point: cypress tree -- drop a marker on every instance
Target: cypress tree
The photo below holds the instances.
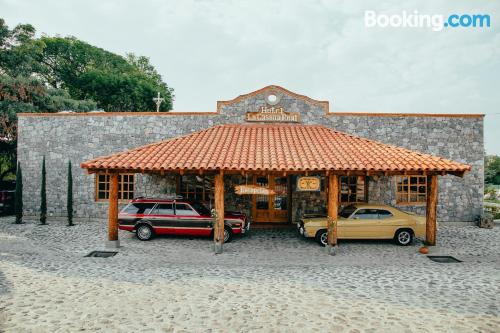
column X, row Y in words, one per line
column 69, row 203
column 43, row 195
column 19, row 195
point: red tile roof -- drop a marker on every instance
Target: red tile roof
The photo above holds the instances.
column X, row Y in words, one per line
column 283, row 147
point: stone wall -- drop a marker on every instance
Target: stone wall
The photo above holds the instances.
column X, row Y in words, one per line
column 80, row 137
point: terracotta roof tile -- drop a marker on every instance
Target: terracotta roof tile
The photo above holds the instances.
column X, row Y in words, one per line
column 283, row 147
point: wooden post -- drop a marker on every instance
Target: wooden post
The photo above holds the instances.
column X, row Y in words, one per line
column 333, row 208
column 219, row 208
column 431, row 211
column 113, row 212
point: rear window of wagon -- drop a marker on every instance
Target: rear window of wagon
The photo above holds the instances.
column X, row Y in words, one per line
column 138, row 208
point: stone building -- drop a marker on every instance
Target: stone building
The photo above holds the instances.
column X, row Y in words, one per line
column 79, row 137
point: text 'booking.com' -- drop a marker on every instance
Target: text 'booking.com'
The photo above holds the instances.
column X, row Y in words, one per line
column 436, row 22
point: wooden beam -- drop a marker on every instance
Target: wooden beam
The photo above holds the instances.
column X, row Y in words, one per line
column 113, row 209
column 219, row 208
column 431, row 211
column 333, row 207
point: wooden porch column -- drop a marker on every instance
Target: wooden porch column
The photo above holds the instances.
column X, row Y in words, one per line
column 431, row 211
column 333, row 208
column 219, row 208
column 113, row 212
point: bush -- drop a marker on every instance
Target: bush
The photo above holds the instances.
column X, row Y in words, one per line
column 19, row 195
column 43, row 195
column 69, row 203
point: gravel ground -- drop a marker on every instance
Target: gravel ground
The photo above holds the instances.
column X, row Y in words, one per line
column 267, row 281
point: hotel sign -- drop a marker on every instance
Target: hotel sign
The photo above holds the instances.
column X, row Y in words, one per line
column 252, row 189
column 273, row 114
column 308, row 184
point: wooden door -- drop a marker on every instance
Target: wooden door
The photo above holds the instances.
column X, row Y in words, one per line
column 271, row 208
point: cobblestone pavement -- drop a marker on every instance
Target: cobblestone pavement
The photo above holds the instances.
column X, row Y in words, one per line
column 267, row 281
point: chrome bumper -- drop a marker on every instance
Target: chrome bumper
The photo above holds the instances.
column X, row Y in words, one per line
column 246, row 228
column 301, row 229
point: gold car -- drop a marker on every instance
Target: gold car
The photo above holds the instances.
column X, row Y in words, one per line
column 367, row 221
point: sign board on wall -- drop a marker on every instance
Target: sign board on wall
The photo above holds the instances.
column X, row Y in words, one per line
column 308, row 184
column 273, row 114
column 252, row 189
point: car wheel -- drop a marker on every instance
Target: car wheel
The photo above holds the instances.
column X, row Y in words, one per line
column 322, row 237
column 144, row 232
column 228, row 235
column 403, row 237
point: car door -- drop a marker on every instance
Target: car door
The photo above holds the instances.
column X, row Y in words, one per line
column 363, row 224
column 190, row 222
column 344, row 226
column 133, row 212
column 163, row 219
column 388, row 224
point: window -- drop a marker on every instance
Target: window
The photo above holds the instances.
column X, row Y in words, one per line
column 366, row 214
column 201, row 209
column 138, row 208
column 347, row 211
column 183, row 209
column 125, row 186
column 164, row 209
column 352, row 189
column 384, row 214
column 411, row 189
column 196, row 188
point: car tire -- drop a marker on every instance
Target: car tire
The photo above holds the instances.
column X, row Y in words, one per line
column 403, row 237
column 144, row 232
column 322, row 237
column 228, row 235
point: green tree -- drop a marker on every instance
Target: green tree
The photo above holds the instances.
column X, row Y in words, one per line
column 50, row 74
column 27, row 95
column 492, row 169
column 19, row 195
column 19, row 50
column 43, row 196
column 89, row 72
column 69, row 202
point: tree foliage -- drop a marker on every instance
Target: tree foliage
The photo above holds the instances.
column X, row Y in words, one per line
column 492, row 169
column 88, row 72
column 26, row 94
column 51, row 74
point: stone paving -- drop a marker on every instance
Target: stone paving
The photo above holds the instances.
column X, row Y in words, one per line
column 267, row 281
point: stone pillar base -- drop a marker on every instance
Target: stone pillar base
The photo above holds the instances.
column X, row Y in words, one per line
column 112, row 244
column 331, row 250
column 217, row 248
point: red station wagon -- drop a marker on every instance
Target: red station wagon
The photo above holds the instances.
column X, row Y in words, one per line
column 149, row 217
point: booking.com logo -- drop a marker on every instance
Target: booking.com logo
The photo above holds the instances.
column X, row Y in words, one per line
column 436, row 22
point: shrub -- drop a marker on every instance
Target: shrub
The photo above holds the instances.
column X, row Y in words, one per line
column 19, row 195
column 43, row 195
column 69, row 203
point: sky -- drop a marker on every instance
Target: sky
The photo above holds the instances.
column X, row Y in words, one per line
column 216, row 50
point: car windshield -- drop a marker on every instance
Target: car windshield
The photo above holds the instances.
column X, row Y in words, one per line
column 347, row 211
column 200, row 208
